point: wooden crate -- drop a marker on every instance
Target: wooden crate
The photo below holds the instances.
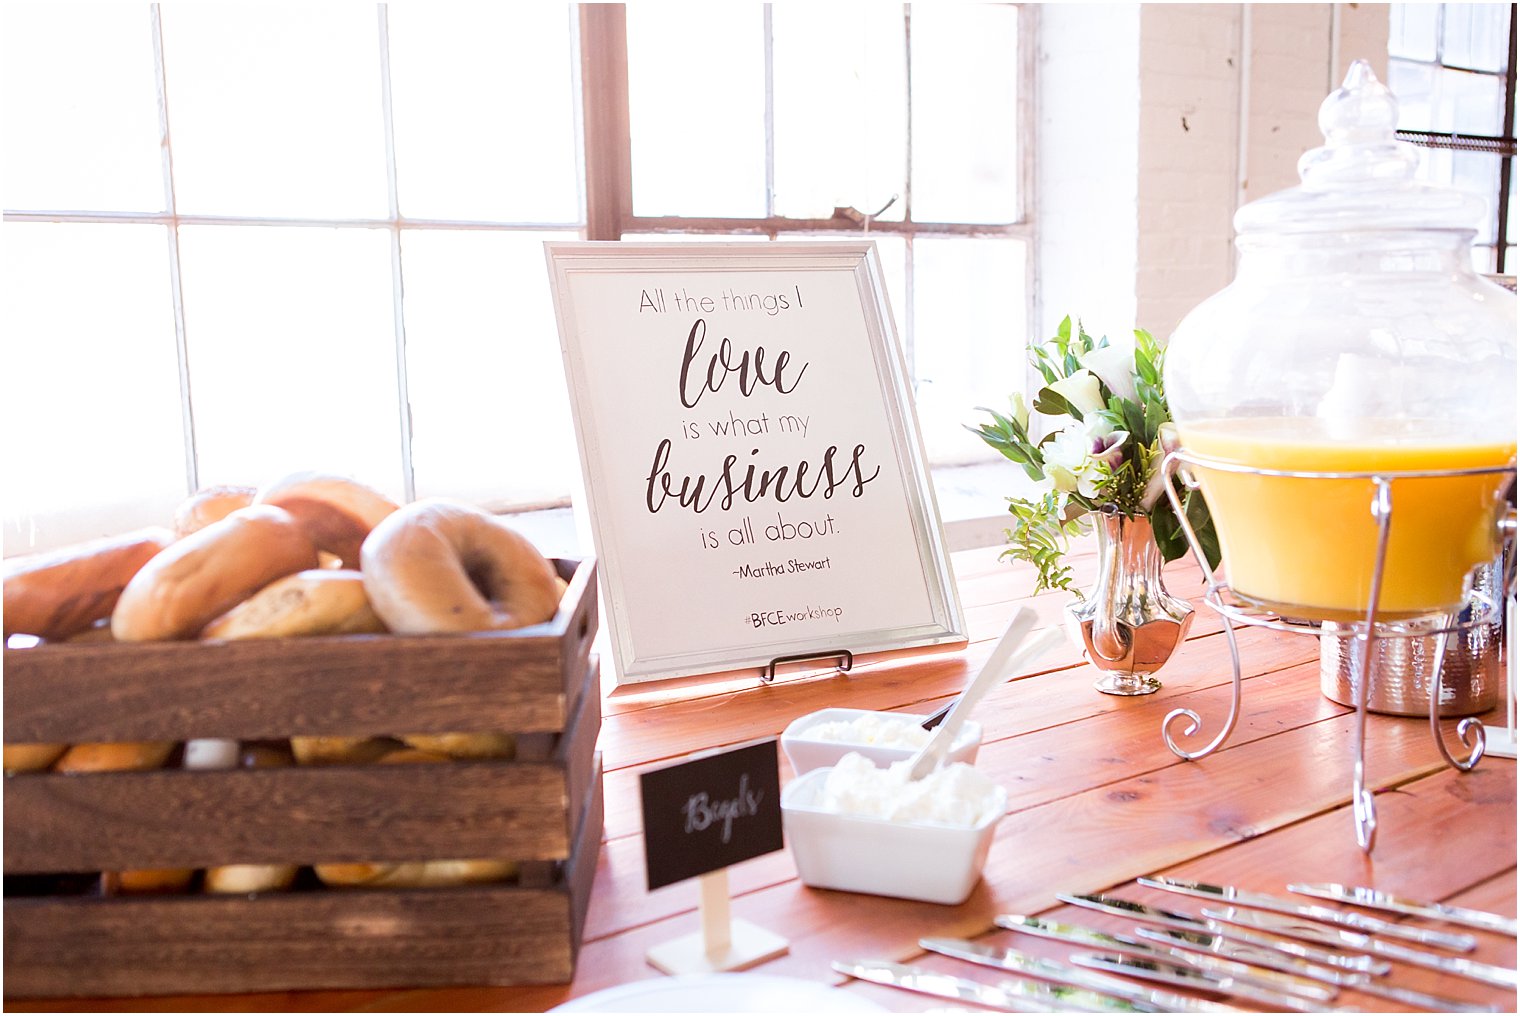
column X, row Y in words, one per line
column 543, row 809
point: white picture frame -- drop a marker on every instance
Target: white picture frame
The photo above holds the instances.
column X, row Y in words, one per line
column 753, row 471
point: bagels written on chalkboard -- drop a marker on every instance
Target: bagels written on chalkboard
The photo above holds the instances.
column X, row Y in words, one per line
column 710, row 812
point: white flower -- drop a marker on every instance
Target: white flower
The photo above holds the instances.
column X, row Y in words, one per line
column 1081, row 390
column 1019, row 410
column 1115, row 366
column 1069, row 461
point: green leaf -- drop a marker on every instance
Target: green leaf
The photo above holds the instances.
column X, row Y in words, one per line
column 1052, row 403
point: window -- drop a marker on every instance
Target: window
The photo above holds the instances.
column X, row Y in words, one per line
column 244, row 240
column 1452, row 67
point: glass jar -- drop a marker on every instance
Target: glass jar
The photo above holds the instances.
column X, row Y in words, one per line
column 1356, row 338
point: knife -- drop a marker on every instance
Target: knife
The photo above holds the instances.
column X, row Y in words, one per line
column 1184, row 977
column 1156, row 915
column 1078, row 935
column 1357, row 922
column 1378, row 900
column 1005, row 997
column 1050, row 970
column 1502, row 977
column 1218, row 945
column 1122, row 907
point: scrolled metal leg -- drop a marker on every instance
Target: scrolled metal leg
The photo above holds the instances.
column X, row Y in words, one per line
column 1194, row 722
column 1362, row 808
column 1470, row 730
column 1169, row 469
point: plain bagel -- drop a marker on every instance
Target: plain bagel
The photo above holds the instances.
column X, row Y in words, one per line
column 319, row 601
column 209, row 572
column 438, row 566
column 336, row 512
column 60, row 593
column 208, row 505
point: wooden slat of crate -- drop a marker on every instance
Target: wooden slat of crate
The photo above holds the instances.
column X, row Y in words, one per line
column 492, row 934
column 521, row 681
column 193, row 819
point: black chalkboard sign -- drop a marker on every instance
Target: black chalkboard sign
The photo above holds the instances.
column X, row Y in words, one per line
column 711, row 811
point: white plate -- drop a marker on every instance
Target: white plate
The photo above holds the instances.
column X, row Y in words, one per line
column 721, row 993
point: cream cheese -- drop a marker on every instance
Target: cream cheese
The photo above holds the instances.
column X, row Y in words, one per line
column 955, row 795
column 880, row 730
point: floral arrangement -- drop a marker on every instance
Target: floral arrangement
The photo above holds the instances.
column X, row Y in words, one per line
column 1099, row 431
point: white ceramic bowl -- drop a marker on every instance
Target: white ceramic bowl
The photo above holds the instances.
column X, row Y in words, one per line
column 808, row 753
column 912, row 861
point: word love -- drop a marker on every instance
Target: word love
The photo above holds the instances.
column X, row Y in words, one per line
column 701, row 811
column 749, row 366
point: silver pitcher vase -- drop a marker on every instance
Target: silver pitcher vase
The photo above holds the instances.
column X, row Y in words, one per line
column 1128, row 625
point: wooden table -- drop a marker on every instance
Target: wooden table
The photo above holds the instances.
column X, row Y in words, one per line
column 1095, row 800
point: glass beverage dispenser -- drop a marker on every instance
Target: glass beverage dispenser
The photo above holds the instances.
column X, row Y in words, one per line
column 1355, row 339
column 1347, row 406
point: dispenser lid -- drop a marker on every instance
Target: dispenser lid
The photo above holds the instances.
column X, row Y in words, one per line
column 1363, row 177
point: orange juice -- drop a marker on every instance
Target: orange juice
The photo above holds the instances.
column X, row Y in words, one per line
column 1307, row 547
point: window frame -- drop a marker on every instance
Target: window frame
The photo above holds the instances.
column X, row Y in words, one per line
column 607, row 146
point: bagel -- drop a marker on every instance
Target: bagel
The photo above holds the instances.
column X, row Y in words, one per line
column 337, row 513
column 59, row 593
column 114, row 756
column 484, row 745
column 31, row 758
column 151, row 880
column 209, row 572
column 208, row 505
column 438, row 566
column 414, row 874
column 321, row 601
column 335, row 751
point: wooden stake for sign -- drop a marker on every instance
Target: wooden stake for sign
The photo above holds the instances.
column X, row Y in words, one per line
column 723, row 943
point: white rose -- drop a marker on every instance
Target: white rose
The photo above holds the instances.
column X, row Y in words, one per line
column 1115, row 366
column 1081, row 390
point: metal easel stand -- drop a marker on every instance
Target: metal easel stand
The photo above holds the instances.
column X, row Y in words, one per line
column 1364, row 634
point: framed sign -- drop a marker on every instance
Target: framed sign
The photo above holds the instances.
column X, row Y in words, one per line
column 754, row 475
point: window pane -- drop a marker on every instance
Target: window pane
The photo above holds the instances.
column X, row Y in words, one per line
column 696, row 77
column 292, row 353
column 970, row 331
column 81, row 108
column 275, row 110
column 1475, row 36
column 91, row 398
column 965, row 113
column 1414, row 85
column 490, row 415
column 1412, row 30
column 841, row 109
column 467, row 144
column 1474, row 102
column 1477, row 173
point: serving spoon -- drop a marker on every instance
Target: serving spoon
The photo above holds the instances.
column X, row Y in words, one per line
column 1010, row 651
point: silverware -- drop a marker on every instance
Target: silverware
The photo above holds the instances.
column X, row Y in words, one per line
column 1378, row 900
column 1006, row 997
column 1185, row 977
column 1060, row 973
column 1220, row 946
column 1502, row 977
column 1122, row 907
column 1357, row 922
column 1155, row 915
column 1092, row 938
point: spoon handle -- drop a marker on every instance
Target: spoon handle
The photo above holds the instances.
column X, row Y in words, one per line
column 1003, row 655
